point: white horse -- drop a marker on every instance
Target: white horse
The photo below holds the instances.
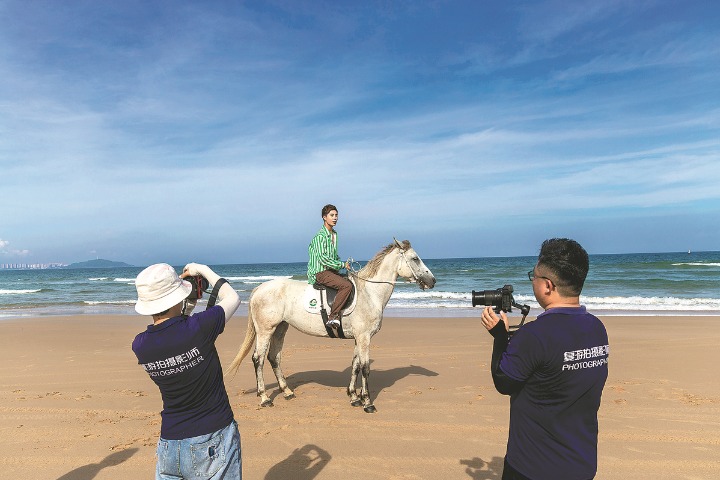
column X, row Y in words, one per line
column 276, row 304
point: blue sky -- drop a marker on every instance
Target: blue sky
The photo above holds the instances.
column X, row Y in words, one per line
column 215, row 131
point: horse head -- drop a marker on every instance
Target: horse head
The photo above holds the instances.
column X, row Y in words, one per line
column 412, row 267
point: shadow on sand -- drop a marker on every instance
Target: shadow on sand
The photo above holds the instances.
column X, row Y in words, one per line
column 379, row 379
column 303, row 464
column 88, row 472
column 479, row 469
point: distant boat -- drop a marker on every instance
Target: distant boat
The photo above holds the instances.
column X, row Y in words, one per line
column 688, row 252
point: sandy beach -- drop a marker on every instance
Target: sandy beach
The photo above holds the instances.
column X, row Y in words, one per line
column 74, row 404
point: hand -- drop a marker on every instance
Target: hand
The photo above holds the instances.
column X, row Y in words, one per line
column 191, row 270
column 489, row 319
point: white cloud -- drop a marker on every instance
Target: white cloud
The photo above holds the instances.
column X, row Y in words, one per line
column 15, row 253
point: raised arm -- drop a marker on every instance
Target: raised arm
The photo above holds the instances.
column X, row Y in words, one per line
column 228, row 298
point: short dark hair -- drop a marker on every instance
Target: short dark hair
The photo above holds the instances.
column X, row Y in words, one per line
column 568, row 261
column 327, row 209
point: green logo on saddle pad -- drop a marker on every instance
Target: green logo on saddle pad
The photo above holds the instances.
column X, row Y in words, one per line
column 313, row 302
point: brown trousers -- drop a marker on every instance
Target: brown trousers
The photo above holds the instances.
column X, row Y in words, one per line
column 332, row 279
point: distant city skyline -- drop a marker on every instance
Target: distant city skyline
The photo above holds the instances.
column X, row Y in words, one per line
column 30, row 266
column 214, row 132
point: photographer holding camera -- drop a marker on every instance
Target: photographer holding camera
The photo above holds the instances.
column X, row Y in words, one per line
column 554, row 370
column 198, row 435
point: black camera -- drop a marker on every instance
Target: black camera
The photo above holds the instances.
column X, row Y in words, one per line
column 199, row 285
column 501, row 298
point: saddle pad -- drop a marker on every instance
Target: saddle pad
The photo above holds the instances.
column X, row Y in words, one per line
column 311, row 300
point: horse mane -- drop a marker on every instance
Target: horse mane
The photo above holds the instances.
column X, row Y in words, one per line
column 373, row 265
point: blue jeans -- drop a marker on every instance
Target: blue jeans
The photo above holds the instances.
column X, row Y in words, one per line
column 215, row 456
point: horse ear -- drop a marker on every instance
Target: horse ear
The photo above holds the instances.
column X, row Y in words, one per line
column 398, row 244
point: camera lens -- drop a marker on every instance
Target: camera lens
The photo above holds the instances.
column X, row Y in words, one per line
column 487, row 298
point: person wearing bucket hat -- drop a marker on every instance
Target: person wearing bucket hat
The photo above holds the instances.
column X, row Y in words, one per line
column 199, row 436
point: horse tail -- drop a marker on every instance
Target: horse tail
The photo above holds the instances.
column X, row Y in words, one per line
column 245, row 347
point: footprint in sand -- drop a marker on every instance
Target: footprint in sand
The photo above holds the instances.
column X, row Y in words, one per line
column 690, row 399
column 133, row 393
column 50, row 394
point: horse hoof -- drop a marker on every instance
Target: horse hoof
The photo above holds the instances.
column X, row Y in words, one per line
column 356, row 403
column 267, row 403
column 370, row 409
column 290, row 396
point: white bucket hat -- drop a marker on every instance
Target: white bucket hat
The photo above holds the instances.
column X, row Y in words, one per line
column 159, row 288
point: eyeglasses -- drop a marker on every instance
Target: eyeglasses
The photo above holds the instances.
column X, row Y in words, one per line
column 532, row 276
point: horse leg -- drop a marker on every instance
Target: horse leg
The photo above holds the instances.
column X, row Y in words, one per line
column 364, row 363
column 361, row 364
column 274, row 357
column 258, row 358
column 354, row 370
column 365, row 392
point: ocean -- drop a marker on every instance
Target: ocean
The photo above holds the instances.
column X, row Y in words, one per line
column 621, row 284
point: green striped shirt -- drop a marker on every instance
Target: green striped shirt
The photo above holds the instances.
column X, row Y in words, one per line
column 323, row 254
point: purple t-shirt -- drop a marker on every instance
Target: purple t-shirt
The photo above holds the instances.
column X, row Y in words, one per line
column 179, row 355
column 562, row 358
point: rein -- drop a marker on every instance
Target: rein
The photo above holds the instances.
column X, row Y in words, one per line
column 354, row 273
column 351, row 261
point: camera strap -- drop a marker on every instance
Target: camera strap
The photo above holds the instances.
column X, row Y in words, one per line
column 215, row 290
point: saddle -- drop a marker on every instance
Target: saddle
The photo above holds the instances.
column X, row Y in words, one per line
column 318, row 299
